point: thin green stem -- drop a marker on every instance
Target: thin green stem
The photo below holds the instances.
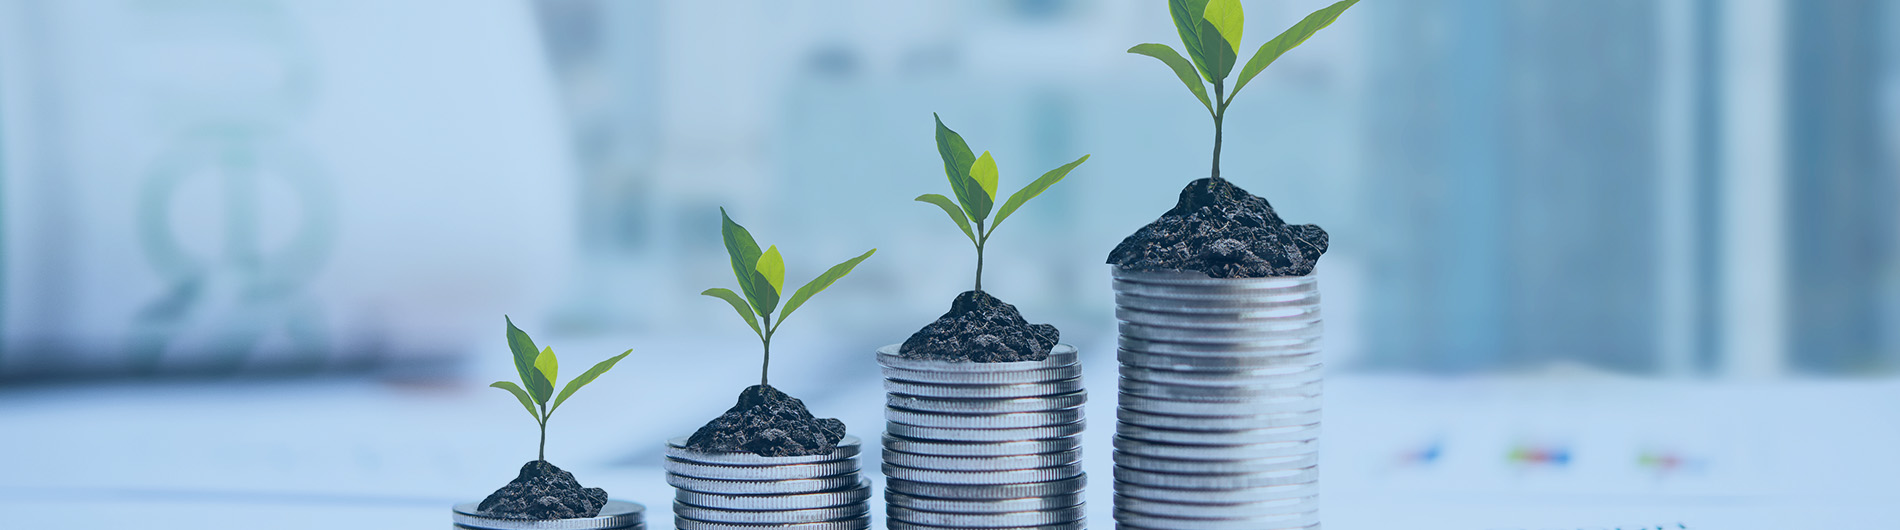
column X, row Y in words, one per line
column 979, row 253
column 1219, row 113
column 543, row 454
column 766, row 368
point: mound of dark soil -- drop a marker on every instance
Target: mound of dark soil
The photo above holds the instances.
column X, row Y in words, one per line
column 1221, row 230
column 767, row 422
column 983, row 329
column 543, row 491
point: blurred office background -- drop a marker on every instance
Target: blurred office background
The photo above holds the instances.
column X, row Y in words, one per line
column 1533, row 204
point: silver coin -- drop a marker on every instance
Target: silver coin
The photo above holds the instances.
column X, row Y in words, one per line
column 847, row 447
column 800, row 501
column 1225, row 379
column 980, row 449
column 988, row 406
column 1218, row 511
column 1217, row 423
column 1060, row 355
column 1229, row 496
column 991, row 463
column 983, row 421
column 1218, row 393
column 1043, row 375
column 1296, row 520
column 987, row 520
column 1215, row 452
column 771, row 517
column 762, row 487
column 1185, row 363
column 987, row 492
column 985, row 435
column 780, row 472
column 1014, row 476
column 1256, row 479
column 859, row 523
column 1220, row 336
column 1071, row 525
column 1014, row 390
column 1238, row 320
column 615, row 515
column 1186, row 279
column 1256, row 348
column 1168, row 302
column 1250, row 407
column 1248, row 465
column 1047, row 502
column 1238, row 437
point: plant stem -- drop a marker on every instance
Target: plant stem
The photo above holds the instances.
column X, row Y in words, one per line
column 1219, row 113
column 985, row 238
column 543, row 454
column 767, row 366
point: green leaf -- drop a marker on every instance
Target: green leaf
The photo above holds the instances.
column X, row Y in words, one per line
column 523, row 349
column 1182, row 69
column 587, row 377
column 1227, row 19
column 772, row 267
column 984, row 171
column 738, row 304
column 1188, row 15
column 820, row 283
column 957, row 160
column 1288, row 39
column 1217, row 51
column 521, row 395
column 956, row 214
column 744, row 253
column 545, row 370
column 1035, row 188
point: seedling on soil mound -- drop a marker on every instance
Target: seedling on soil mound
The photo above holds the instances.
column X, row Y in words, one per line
column 973, row 181
column 538, row 369
column 761, row 277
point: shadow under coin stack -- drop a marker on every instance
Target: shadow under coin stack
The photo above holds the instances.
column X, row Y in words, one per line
column 1220, row 402
column 744, row 491
column 974, row 445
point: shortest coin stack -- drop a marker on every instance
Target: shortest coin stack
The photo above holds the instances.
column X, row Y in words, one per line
column 615, row 515
column 744, row 491
column 973, row 445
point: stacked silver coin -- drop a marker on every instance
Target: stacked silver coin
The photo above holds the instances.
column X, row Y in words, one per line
column 615, row 515
column 1218, row 424
column 983, row 445
column 744, row 491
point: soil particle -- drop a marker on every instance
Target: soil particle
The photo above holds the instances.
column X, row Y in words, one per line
column 543, row 491
column 1221, row 230
column 767, row 422
column 981, row 328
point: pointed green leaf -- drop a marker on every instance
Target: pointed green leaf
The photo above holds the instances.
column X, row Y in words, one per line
column 1182, row 69
column 1218, row 53
column 957, row 160
column 546, row 368
column 587, row 377
column 956, row 214
column 738, row 304
column 523, row 349
column 1042, row 183
column 521, row 395
column 1227, row 19
column 820, row 283
column 1288, row 39
column 744, row 253
column 1188, row 15
column 765, row 297
column 984, row 171
column 772, row 267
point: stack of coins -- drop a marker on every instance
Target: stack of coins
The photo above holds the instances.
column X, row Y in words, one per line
column 984, row 445
column 615, row 515
column 744, row 491
column 1220, row 402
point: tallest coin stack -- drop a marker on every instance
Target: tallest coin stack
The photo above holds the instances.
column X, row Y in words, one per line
column 1220, row 402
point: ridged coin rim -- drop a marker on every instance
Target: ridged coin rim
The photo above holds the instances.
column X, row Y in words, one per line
column 988, row 492
column 771, row 517
column 986, row 435
column 1295, row 520
column 1000, row 391
column 988, row 520
column 1217, row 423
column 848, row 447
column 763, row 487
column 1234, row 495
column 987, row 406
column 794, row 501
column 1025, row 504
column 983, row 478
column 1217, row 510
column 1196, row 467
column 1007, row 420
column 1214, row 452
column 982, row 463
column 1059, row 356
column 859, row 523
column 980, row 449
column 615, row 515
column 1190, row 481
column 1219, row 437
column 751, row 472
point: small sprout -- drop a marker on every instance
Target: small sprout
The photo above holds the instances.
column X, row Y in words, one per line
column 973, row 181
column 1210, row 30
column 538, row 370
column 761, row 277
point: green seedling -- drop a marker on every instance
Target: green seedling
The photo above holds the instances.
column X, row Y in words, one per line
column 538, row 369
column 973, row 181
column 1210, row 30
column 761, row 277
